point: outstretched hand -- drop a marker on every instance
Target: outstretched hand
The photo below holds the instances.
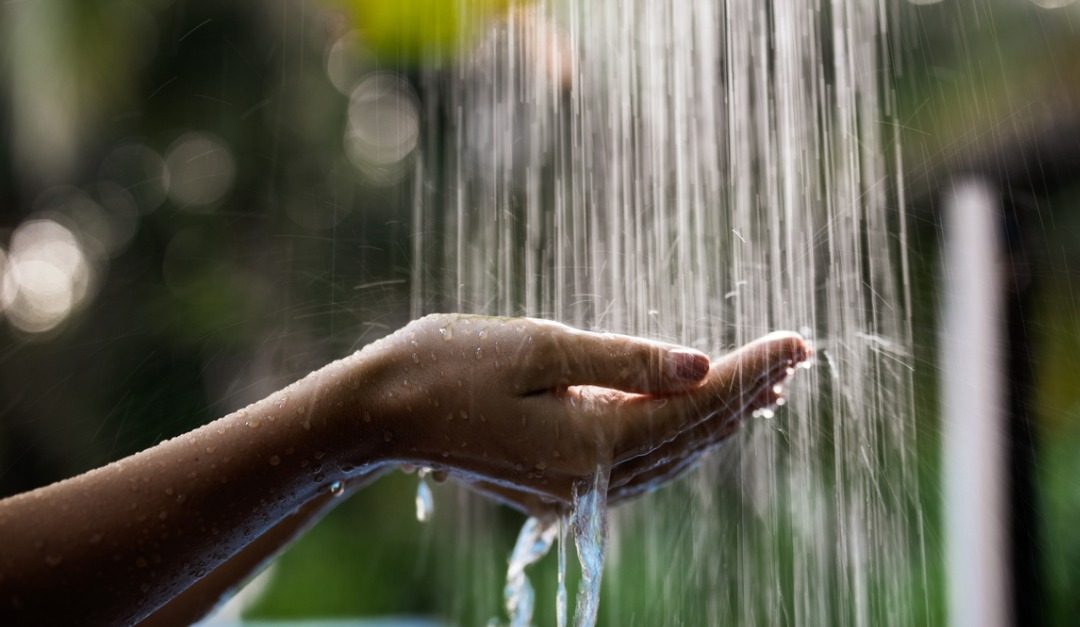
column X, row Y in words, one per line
column 522, row 409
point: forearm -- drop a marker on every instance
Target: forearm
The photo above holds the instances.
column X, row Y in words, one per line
column 202, row 596
column 115, row 543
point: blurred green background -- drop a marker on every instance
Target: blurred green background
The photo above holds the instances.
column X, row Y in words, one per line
column 216, row 230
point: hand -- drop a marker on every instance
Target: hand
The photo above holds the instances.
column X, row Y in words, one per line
column 522, row 409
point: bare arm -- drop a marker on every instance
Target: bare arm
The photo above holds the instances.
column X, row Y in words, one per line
column 519, row 408
column 207, row 593
column 121, row 540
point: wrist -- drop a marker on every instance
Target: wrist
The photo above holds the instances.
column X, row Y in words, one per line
column 357, row 411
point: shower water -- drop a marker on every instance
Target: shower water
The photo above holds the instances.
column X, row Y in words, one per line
column 699, row 172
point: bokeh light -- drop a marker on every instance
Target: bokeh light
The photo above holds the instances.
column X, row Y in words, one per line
column 201, row 170
column 383, row 127
column 346, row 62
column 140, row 171
column 104, row 228
column 46, row 277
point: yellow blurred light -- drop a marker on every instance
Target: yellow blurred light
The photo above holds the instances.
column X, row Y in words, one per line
column 411, row 31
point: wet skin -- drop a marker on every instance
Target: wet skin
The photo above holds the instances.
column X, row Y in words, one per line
column 520, row 409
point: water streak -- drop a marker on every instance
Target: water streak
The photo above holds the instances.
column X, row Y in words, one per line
column 533, row 542
column 560, row 583
column 702, row 172
column 589, row 522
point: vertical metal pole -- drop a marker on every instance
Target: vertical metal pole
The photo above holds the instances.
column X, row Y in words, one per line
column 974, row 397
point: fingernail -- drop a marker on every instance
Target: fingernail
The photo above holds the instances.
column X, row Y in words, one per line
column 689, row 365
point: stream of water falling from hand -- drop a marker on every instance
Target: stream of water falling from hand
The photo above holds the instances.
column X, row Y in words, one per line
column 700, row 172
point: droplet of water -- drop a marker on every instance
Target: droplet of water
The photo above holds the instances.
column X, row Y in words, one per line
column 425, row 502
column 479, row 354
column 337, row 488
column 446, row 333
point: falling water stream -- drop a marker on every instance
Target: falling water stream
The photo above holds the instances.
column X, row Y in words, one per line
column 700, row 172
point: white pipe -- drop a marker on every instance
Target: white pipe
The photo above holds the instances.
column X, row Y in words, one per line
column 973, row 397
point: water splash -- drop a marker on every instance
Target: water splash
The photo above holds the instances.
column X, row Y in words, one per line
column 588, row 521
column 534, row 541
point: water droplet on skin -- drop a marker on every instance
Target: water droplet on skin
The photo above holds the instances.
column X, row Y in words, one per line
column 415, row 358
column 274, row 460
column 780, row 402
column 337, row 488
column 790, row 371
column 778, row 389
column 479, row 354
column 210, row 450
column 446, row 333
column 482, row 334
